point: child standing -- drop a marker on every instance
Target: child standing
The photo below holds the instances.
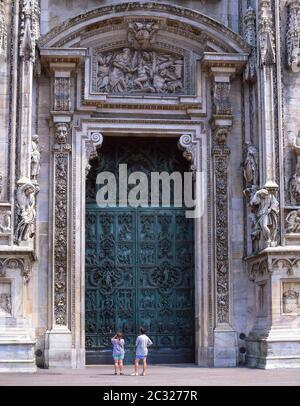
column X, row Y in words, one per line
column 142, row 344
column 118, row 344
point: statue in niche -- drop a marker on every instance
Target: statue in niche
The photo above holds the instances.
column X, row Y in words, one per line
column 266, row 211
column 294, row 186
column 35, row 158
column 294, row 183
column 293, row 222
column 139, row 71
column 251, row 166
column 26, row 210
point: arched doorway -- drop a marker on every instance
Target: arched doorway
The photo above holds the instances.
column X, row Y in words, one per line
column 139, row 261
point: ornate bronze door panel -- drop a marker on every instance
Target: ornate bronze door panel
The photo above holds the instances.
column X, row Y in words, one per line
column 139, row 272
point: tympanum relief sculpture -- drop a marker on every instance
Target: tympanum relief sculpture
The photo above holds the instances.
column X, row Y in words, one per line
column 128, row 70
column 138, row 68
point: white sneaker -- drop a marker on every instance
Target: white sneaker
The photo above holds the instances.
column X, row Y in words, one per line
column 143, row 374
column 134, row 374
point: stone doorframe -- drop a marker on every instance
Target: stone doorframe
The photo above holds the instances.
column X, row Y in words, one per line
column 204, row 143
column 66, row 339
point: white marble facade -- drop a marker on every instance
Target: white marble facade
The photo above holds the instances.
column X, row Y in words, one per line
column 228, row 89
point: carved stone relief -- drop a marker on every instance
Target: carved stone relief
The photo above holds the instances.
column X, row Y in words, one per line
column 3, row 29
column 26, row 210
column 288, row 265
column 293, row 33
column 142, row 34
column 61, row 163
column 5, row 222
column 5, row 299
column 137, row 71
column 222, row 105
column 293, row 222
column 62, row 90
column 290, row 297
column 258, row 270
column 221, row 155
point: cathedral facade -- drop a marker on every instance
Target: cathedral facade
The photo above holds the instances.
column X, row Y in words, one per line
column 185, row 86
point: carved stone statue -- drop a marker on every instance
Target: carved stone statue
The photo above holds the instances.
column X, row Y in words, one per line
column 266, row 210
column 61, row 133
column 35, row 158
column 26, row 210
column 251, row 167
column 293, row 222
column 294, row 186
column 142, row 34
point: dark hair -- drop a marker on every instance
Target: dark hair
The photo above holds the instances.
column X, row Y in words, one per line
column 119, row 335
column 143, row 330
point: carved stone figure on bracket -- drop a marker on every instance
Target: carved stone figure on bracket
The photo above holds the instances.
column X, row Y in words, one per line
column 141, row 34
column 138, row 71
column 35, row 158
column 266, row 210
column 26, row 210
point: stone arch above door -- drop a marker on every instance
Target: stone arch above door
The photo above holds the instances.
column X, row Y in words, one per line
column 158, row 45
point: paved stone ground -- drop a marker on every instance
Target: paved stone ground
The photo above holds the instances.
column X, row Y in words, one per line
column 163, row 375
